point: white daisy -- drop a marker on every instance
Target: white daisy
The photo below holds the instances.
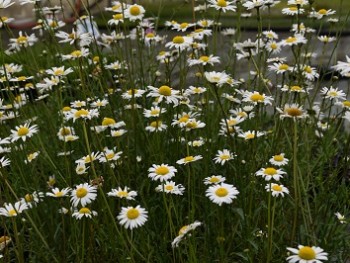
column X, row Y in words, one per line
column 222, row 193
column 170, row 187
column 57, row 193
column 277, row 189
column 306, row 254
column 161, row 172
column 279, row 160
column 23, row 132
column 84, row 212
column 166, row 93
column 189, row 159
column 183, row 232
column 269, row 172
column 214, row 179
column 123, row 193
column 132, row 217
column 223, row 156
column 10, row 210
column 83, row 194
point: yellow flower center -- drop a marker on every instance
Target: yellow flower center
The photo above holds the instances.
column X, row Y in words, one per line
column 277, row 188
column 154, row 112
column 250, row 136
column 169, row 187
column 291, row 39
column 293, row 8
column 22, row 40
column 222, row 3
column 164, row 90
column 225, row 157
column 12, row 212
column 108, row 121
column 307, row 253
column 122, row 194
column 221, row 192
column 23, row 131
column 204, row 23
column 135, row 10
column 294, row 112
column 283, row 67
column 278, row 158
column 21, row 78
column 156, row 124
column 231, row 122
column 270, row 171
column 162, row 170
column 76, row 53
column 115, row 7
column 150, row 35
column 110, row 156
column 53, row 24
column 273, row 46
column 84, row 210
column 59, row 194
column 214, row 180
column 183, row 25
column 67, row 108
column 182, row 230
column 4, row 18
column 28, row 198
column 257, row 97
column 58, row 72
column 346, row 103
column 81, row 192
column 184, row 118
column 199, row 30
column 96, row 59
column 189, row 159
column 133, row 213
column 65, row 131
column 178, row 40
column 71, row 36
column 191, row 125
column 118, row 16
column 322, row 11
column 204, row 58
column 80, row 113
column 296, row 88
column 132, row 91
column 333, row 93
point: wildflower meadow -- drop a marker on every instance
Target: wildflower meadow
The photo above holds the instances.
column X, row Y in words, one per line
column 127, row 135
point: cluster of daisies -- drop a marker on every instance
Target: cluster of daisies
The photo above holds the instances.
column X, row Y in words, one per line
column 163, row 105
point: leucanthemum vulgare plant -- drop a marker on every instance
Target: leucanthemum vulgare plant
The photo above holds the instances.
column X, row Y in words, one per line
column 134, row 128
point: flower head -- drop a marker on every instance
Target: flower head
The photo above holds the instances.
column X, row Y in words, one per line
column 306, row 254
column 222, row 193
column 132, row 217
column 161, row 172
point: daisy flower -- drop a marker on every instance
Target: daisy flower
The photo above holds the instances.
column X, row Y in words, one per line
column 133, row 93
column 84, row 212
column 57, row 193
column 222, row 5
column 255, row 98
column 214, row 179
column 183, row 232
column 294, row 40
column 276, row 189
column 279, row 160
column 222, row 193
column 169, row 95
column 333, row 94
column 116, row 19
column 23, row 132
column 270, row 172
column 82, row 114
column 89, row 158
column 292, row 10
column 132, row 217
column 83, row 194
column 180, row 43
column 298, row 2
column 218, row 78
column 170, row 187
column 134, row 12
column 292, row 111
column 32, row 156
column 196, row 143
column 22, row 40
column 326, row 39
column 189, row 159
column 249, row 135
column 223, row 156
column 156, row 126
column 306, row 254
column 343, row 67
column 280, row 68
column 10, row 210
column 321, row 13
column 161, row 172
column 123, row 193
column 153, row 112
column 204, row 60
